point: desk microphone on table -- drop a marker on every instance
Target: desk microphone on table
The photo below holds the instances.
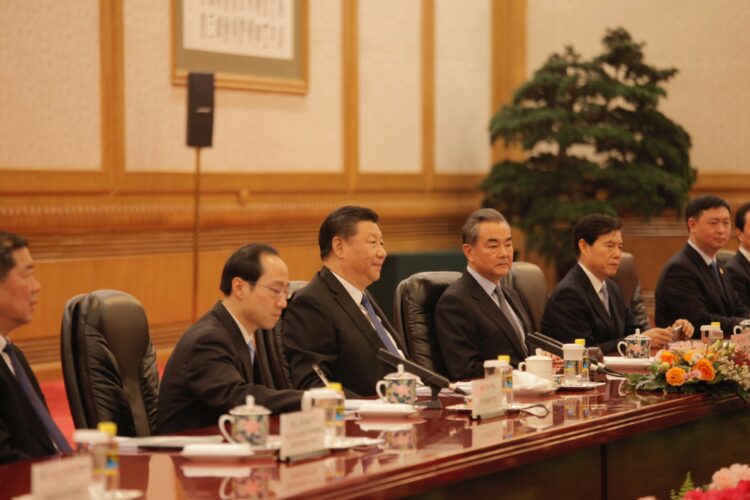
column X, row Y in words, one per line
column 429, row 377
column 554, row 346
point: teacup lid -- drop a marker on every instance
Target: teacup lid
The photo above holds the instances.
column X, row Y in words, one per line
column 745, row 322
column 400, row 373
column 538, row 357
column 636, row 335
column 249, row 408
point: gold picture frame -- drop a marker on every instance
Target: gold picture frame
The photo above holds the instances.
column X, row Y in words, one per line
column 238, row 71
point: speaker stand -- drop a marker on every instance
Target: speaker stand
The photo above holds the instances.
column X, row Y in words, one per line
column 196, row 229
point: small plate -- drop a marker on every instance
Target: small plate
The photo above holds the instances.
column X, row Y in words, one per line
column 579, row 386
column 352, row 442
column 534, row 392
column 387, row 411
column 217, row 452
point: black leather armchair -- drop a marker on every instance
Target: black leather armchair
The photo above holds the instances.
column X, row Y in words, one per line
column 270, row 344
column 413, row 311
column 109, row 363
column 529, row 281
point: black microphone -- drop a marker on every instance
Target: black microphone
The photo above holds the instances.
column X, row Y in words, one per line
column 429, row 377
column 554, row 346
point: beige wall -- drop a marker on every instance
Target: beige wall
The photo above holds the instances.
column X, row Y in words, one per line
column 708, row 42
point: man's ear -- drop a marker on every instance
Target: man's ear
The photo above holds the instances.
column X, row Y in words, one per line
column 337, row 246
column 468, row 252
column 240, row 287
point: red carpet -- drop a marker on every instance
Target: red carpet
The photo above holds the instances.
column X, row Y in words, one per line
column 57, row 401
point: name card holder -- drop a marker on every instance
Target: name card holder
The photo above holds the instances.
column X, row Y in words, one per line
column 302, row 435
column 486, row 398
column 67, row 478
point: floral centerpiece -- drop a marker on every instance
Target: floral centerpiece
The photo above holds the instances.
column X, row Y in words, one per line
column 731, row 482
column 689, row 367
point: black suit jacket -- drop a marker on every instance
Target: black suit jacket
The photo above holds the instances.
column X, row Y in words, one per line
column 739, row 273
column 210, row 372
column 22, row 433
column 687, row 289
column 324, row 326
column 471, row 328
column 575, row 311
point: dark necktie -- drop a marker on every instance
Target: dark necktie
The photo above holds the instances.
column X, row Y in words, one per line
column 715, row 271
column 604, row 296
column 36, row 403
column 379, row 326
column 511, row 316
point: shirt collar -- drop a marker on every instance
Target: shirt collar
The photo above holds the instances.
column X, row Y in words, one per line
column 486, row 284
column 708, row 260
column 352, row 290
column 745, row 252
column 3, row 343
column 595, row 282
column 245, row 334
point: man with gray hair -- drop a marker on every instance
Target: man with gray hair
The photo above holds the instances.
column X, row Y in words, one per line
column 476, row 318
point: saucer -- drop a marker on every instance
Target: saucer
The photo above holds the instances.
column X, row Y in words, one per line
column 217, row 451
column 387, row 411
column 579, row 386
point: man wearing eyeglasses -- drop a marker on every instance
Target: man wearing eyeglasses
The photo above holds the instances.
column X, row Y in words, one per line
column 215, row 364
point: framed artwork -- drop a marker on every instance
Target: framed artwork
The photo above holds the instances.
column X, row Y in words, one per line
column 246, row 44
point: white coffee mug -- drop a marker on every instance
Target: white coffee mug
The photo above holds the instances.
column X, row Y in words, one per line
column 541, row 366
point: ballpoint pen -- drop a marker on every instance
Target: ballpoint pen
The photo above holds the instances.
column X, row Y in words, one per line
column 320, row 374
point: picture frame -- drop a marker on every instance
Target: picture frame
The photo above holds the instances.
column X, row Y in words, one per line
column 259, row 45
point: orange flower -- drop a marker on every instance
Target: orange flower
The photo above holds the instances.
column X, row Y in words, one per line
column 692, row 355
column 706, row 369
column 675, row 376
column 668, row 357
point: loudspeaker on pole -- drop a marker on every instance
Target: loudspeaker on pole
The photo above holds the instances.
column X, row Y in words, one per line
column 200, row 110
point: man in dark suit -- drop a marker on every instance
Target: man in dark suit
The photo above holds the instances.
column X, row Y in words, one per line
column 26, row 427
column 587, row 304
column 693, row 284
column 215, row 365
column 739, row 266
column 476, row 318
column 333, row 322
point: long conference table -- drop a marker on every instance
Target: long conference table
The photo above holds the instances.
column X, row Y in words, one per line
column 603, row 443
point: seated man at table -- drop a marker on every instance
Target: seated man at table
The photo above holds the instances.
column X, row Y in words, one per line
column 215, row 365
column 587, row 303
column 739, row 266
column 333, row 322
column 476, row 318
column 26, row 427
column 693, row 284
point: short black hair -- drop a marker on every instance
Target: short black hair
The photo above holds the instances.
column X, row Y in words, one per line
column 470, row 230
column 697, row 205
column 245, row 264
column 9, row 243
column 342, row 222
column 739, row 218
column 590, row 227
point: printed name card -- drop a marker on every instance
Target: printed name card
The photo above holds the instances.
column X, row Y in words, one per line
column 302, row 434
column 486, row 398
column 68, row 478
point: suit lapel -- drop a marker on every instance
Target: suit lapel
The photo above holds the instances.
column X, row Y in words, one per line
column 238, row 341
column 345, row 301
column 594, row 301
column 708, row 277
column 492, row 311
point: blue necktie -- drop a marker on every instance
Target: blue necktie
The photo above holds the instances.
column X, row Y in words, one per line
column 715, row 272
column 36, row 403
column 379, row 326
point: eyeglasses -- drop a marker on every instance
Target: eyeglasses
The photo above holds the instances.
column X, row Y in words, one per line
column 279, row 292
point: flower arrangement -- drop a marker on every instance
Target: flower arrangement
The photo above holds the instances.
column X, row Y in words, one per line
column 692, row 367
column 731, row 482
